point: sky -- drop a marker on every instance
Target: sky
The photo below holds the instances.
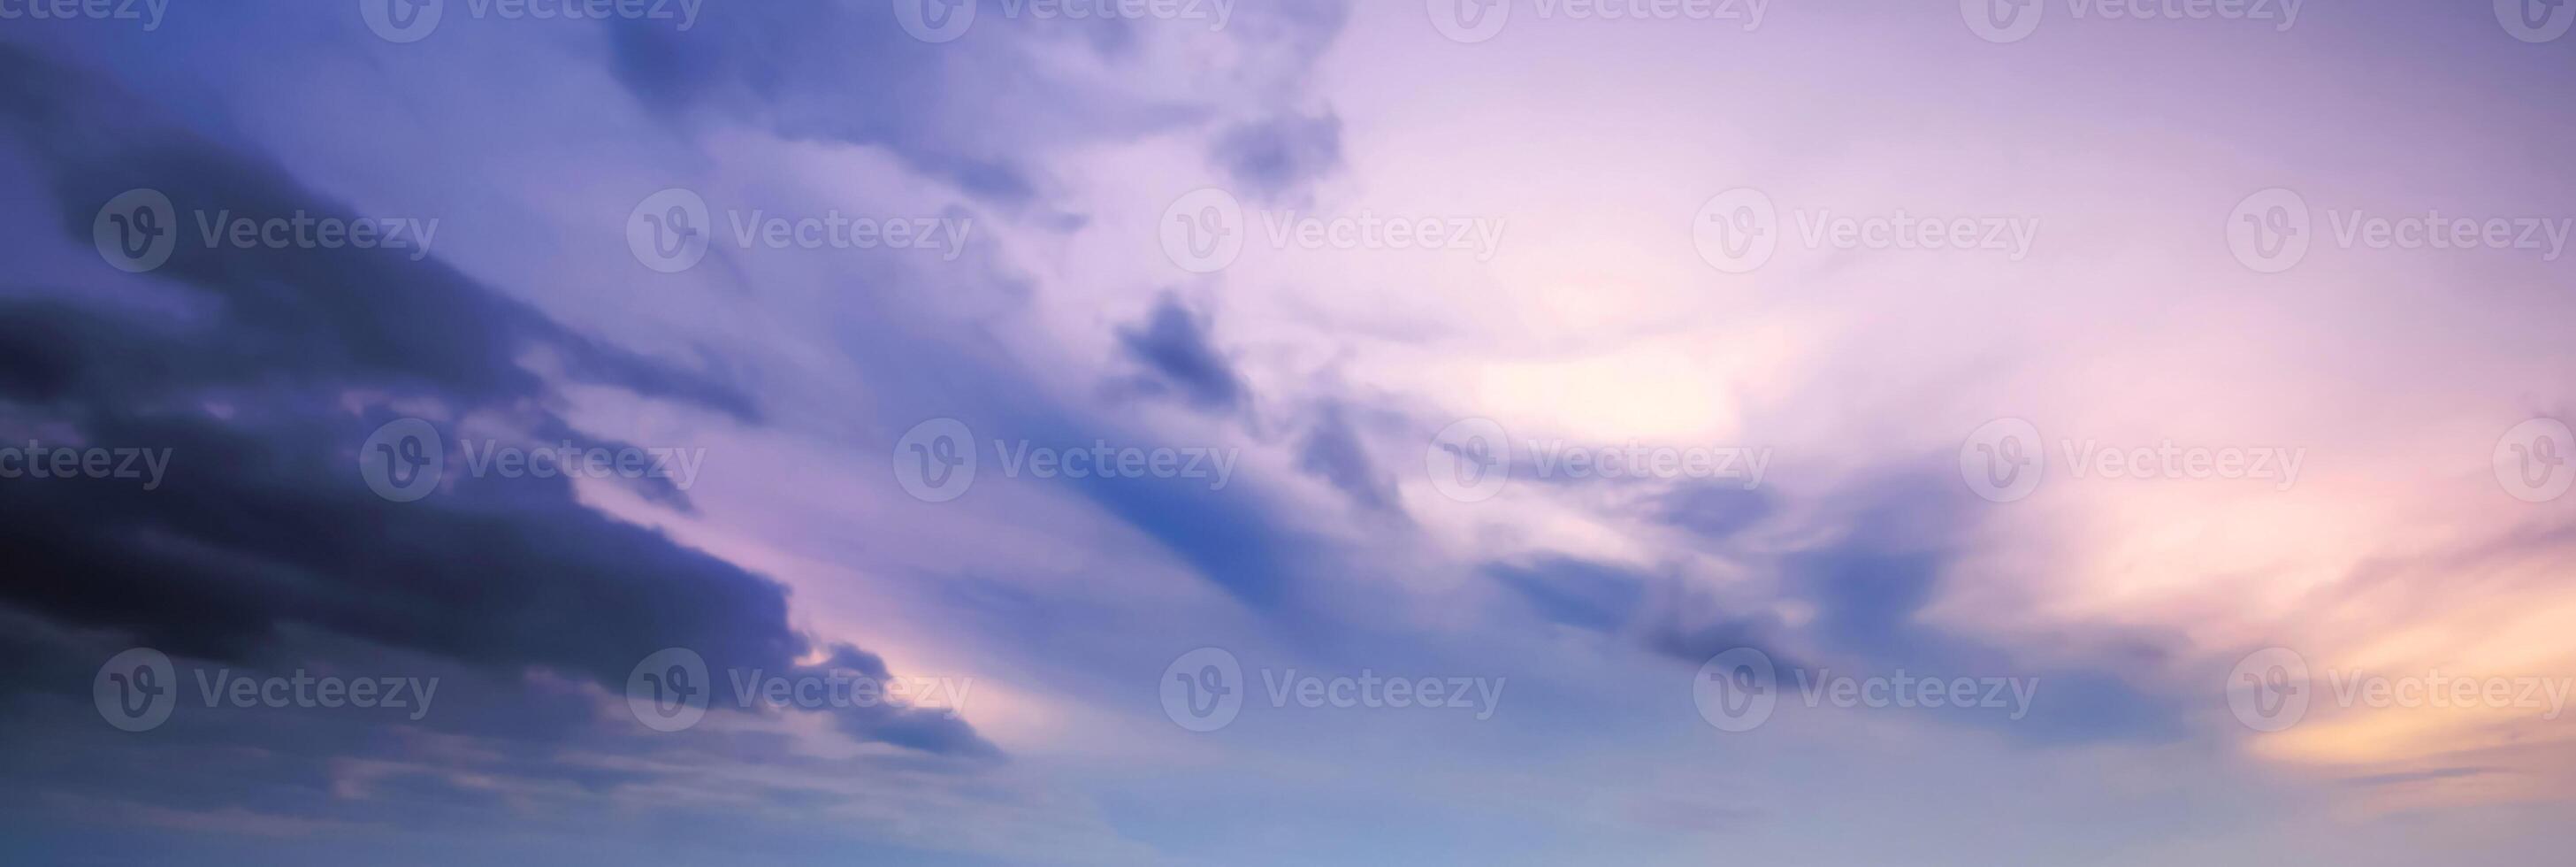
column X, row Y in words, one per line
column 966, row 432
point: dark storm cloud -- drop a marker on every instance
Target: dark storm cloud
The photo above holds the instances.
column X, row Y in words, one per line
column 264, row 533
column 319, row 318
column 1281, row 153
column 1174, row 344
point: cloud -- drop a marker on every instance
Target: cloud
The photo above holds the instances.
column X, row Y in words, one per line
column 1714, row 511
column 275, row 367
column 1882, row 560
column 1575, row 592
column 1173, row 344
column 974, row 109
column 1284, row 152
column 841, row 71
column 1333, row 452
